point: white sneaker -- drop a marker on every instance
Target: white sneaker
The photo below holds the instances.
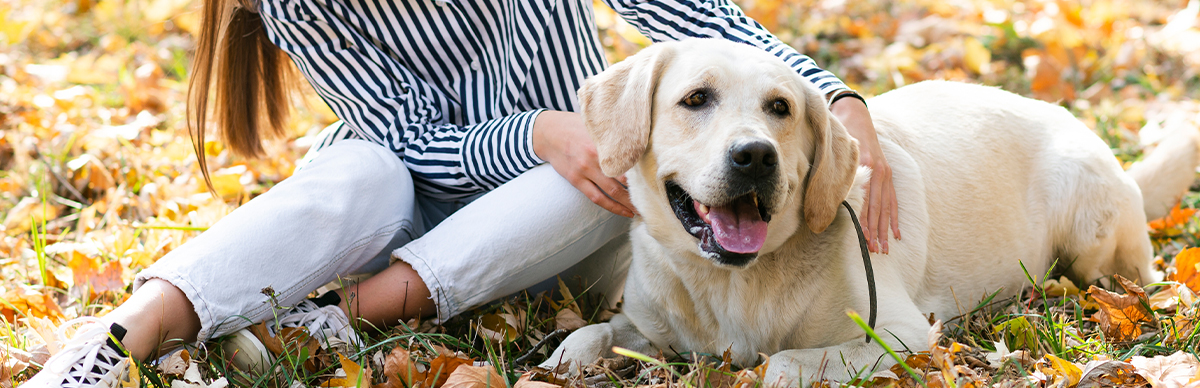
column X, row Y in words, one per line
column 328, row 325
column 91, row 358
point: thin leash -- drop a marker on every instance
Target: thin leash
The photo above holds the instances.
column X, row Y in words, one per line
column 862, row 245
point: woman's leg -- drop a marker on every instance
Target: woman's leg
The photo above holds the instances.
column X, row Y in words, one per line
column 523, row 232
column 328, row 220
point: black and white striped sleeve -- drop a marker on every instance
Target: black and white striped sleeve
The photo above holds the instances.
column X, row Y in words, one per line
column 662, row 20
column 383, row 102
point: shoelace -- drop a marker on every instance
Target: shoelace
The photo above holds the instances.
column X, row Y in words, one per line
column 88, row 344
column 328, row 322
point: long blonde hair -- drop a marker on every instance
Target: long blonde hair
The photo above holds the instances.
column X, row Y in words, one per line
column 253, row 80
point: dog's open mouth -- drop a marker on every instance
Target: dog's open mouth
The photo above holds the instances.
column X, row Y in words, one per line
column 733, row 232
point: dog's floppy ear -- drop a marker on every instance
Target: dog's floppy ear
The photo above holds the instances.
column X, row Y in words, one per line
column 834, row 158
column 617, row 107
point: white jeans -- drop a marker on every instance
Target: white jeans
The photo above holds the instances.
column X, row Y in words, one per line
column 353, row 209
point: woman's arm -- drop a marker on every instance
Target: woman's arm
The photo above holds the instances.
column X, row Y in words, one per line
column 384, row 102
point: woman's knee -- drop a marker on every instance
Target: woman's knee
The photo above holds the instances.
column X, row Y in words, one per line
column 363, row 166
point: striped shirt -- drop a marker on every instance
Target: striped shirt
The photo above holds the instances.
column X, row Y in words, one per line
column 453, row 87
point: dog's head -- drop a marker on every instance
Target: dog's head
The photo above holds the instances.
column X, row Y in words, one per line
column 727, row 149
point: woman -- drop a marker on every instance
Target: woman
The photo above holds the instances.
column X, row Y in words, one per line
column 431, row 179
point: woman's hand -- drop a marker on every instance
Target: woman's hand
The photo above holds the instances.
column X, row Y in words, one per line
column 560, row 139
column 881, row 210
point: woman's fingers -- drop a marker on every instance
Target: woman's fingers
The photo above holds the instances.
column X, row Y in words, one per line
column 885, row 216
column 895, row 213
column 607, row 192
column 617, row 191
column 875, row 205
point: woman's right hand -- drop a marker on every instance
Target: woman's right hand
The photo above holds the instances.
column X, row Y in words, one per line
column 560, row 139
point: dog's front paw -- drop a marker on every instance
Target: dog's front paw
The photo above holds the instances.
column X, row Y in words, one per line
column 800, row 367
column 582, row 347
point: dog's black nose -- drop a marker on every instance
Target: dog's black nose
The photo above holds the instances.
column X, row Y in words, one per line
column 755, row 158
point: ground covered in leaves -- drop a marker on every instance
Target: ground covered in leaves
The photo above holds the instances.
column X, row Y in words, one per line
column 98, row 180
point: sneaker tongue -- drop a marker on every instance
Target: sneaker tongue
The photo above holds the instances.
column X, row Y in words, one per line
column 738, row 226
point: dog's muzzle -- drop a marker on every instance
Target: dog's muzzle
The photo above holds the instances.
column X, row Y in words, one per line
column 731, row 233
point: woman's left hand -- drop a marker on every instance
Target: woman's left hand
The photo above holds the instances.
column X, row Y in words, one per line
column 881, row 210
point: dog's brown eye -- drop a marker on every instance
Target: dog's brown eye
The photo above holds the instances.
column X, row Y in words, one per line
column 780, row 107
column 696, row 99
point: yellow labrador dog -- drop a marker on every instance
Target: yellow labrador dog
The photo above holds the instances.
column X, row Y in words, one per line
column 738, row 170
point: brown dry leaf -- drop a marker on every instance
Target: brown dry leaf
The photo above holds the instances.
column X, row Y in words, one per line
column 1110, row 373
column 1187, row 268
column 1121, row 316
column 441, row 367
column 356, row 376
column 468, row 376
column 399, row 369
column 568, row 300
column 568, row 319
column 13, row 362
column 192, row 379
column 525, row 382
column 722, row 376
column 176, row 364
column 1181, row 327
column 291, row 340
column 29, row 210
column 1172, row 371
column 1171, row 297
column 496, row 328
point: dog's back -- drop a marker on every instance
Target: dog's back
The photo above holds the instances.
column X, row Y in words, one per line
column 1011, row 181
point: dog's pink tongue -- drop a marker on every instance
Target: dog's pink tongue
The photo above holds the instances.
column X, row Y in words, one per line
column 738, row 227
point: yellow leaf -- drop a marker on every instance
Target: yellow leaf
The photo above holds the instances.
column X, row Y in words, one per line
column 356, row 376
column 227, row 185
column 1064, row 373
column 977, row 57
column 1060, row 287
column 133, row 379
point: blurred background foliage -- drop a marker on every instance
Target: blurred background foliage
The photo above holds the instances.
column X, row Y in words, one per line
column 98, row 177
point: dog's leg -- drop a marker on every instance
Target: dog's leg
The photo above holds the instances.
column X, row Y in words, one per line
column 848, row 360
column 592, row 342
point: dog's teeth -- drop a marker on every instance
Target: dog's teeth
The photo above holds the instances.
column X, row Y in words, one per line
column 703, row 209
column 755, row 198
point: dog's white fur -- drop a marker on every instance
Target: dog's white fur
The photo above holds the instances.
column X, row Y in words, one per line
column 987, row 181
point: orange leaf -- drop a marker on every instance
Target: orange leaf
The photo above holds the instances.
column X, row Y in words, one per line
column 400, row 370
column 1187, row 268
column 30, row 303
column 89, row 272
column 356, row 376
column 440, row 368
column 468, row 376
column 1121, row 316
column 1176, row 217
